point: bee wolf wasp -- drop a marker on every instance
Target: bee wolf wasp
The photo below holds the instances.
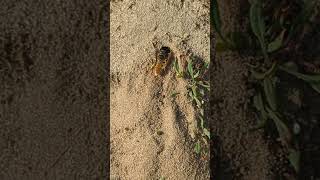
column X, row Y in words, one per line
column 162, row 60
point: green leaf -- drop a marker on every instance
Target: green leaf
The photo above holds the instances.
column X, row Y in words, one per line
column 194, row 91
column 196, row 75
column 202, row 112
column 315, row 86
column 201, row 122
column 197, row 147
column 215, row 18
column 194, row 95
column 269, row 90
column 191, row 95
column 190, row 68
column 215, row 15
column 256, row 20
column 261, row 108
column 202, row 92
column 282, row 128
column 197, row 101
column 294, row 158
column 258, row 103
column 259, row 76
column 277, row 43
column 309, row 78
column 179, row 73
column 206, row 132
column 201, row 83
column 176, row 66
column 258, row 26
column 313, row 80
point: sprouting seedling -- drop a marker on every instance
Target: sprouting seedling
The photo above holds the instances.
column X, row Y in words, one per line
column 193, row 90
column 179, row 72
column 196, row 91
column 191, row 71
column 193, row 93
column 197, row 147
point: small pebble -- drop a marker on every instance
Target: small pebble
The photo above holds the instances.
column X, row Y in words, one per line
column 160, row 133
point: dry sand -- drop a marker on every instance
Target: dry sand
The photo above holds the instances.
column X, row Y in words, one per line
column 141, row 106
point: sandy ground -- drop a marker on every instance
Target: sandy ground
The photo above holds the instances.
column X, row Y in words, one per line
column 242, row 154
column 53, row 82
column 141, row 106
column 53, row 100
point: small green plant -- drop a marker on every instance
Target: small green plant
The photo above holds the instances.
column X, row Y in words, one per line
column 197, row 90
column 179, row 72
column 277, row 29
column 197, row 147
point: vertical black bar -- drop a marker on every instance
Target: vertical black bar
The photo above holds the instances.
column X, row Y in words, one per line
column 108, row 87
column 209, row 113
column 212, row 162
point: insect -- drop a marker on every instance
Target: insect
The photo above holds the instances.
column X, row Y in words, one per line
column 162, row 57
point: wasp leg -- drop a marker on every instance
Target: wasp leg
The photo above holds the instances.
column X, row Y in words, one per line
column 152, row 68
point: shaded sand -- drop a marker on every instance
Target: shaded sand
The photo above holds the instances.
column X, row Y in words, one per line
column 152, row 134
column 53, row 82
column 242, row 154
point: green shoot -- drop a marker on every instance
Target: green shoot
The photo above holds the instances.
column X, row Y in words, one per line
column 179, row 72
